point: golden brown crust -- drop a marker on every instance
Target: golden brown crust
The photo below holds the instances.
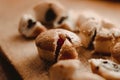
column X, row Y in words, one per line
column 50, row 43
column 47, row 40
column 67, row 51
column 115, row 52
column 39, row 30
column 51, row 36
column 104, row 34
column 101, row 38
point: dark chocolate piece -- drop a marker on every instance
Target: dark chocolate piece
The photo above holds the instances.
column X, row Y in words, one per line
column 31, row 23
column 50, row 15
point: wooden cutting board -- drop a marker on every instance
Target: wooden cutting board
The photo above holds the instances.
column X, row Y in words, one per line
column 22, row 53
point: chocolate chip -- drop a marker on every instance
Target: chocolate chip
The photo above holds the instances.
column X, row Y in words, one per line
column 105, row 62
column 62, row 19
column 115, row 66
column 50, row 15
column 97, row 67
column 31, row 23
column 69, row 38
column 91, row 42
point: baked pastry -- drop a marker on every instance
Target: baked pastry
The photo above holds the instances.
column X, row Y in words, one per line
column 106, row 36
column 50, row 13
column 106, row 68
column 64, row 69
column 71, row 70
column 115, row 52
column 51, row 42
column 29, row 27
column 88, row 32
column 103, row 38
column 54, row 15
column 88, row 25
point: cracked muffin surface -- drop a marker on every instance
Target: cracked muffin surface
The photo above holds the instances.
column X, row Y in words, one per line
column 53, row 42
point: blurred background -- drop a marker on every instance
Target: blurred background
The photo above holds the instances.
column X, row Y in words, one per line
column 12, row 10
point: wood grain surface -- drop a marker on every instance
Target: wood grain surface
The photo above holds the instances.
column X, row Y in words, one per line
column 22, row 53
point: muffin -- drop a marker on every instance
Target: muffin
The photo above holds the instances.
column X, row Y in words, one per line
column 103, row 41
column 50, row 13
column 29, row 27
column 105, row 68
column 107, row 36
column 51, row 43
column 71, row 70
column 88, row 25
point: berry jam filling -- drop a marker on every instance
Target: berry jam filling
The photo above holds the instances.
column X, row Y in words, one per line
column 59, row 45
